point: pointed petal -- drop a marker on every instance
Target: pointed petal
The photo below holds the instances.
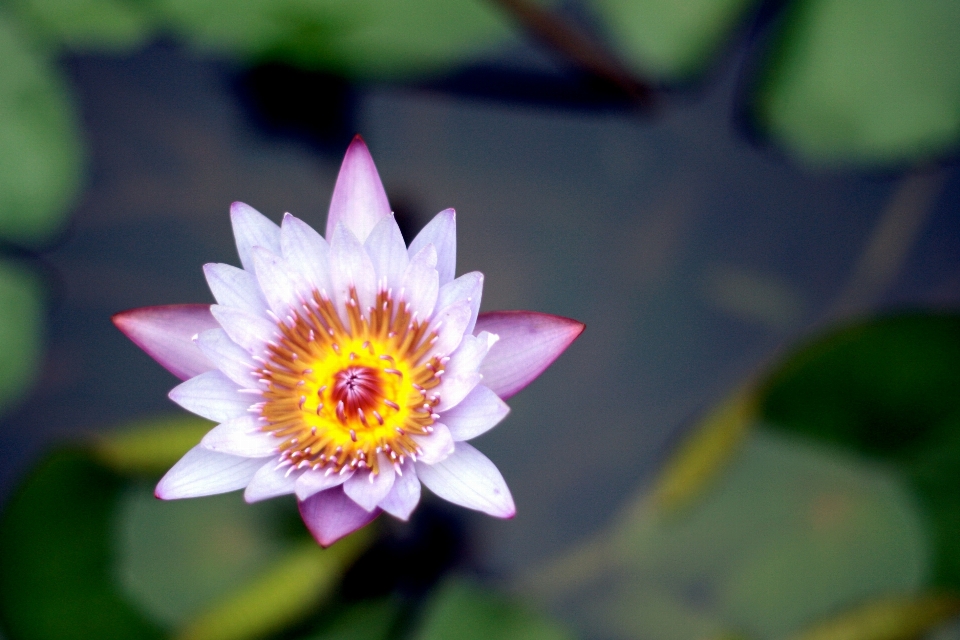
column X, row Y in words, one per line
column 461, row 373
column 436, row 446
column 233, row 287
column 312, row 482
column 450, row 324
column 166, row 334
column 330, row 515
column 441, row 232
column 479, row 412
column 204, row 473
column 270, row 482
column 469, row 479
column 229, row 357
column 306, row 251
column 211, row 395
column 405, row 495
column 242, row 437
column 467, row 287
column 278, row 282
column 249, row 331
column 351, row 267
column 387, row 250
column 529, row 343
column 252, row 229
column 368, row 489
column 420, row 283
column 359, row 200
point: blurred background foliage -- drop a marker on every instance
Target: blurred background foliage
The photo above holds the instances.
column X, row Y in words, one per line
column 819, row 501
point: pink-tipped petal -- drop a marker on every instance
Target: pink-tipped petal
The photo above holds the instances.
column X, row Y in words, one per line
column 229, row 357
column 211, row 395
column 201, row 472
column 467, row 287
column 461, row 373
column 270, row 482
column 307, row 252
column 529, row 343
column 441, row 232
column 166, row 334
column 279, row 283
column 420, row 283
column 311, row 482
column 405, row 494
column 387, row 250
column 479, row 412
column 450, row 324
column 435, row 446
column 368, row 489
column 250, row 332
column 233, row 287
column 351, row 268
column 359, row 200
column 469, row 479
column 241, row 437
column 331, row 515
column 252, row 229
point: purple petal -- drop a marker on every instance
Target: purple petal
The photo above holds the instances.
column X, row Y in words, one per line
column 450, row 324
column 359, row 200
column 312, row 482
column 211, row 395
column 227, row 356
column 166, row 334
column 529, row 343
column 247, row 330
column 307, row 252
column 461, row 373
column 233, row 287
column 467, row 287
column 479, row 412
column 420, row 283
column 241, row 437
column 441, row 232
column 435, row 446
column 278, row 282
column 270, row 482
column 351, row 267
column 252, row 229
column 204, row 473
column 405, row 495
column 469, row 479
column 387, row 250
column 368, row 489
column 330, row 515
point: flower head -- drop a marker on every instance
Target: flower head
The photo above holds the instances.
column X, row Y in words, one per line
column 346, row 370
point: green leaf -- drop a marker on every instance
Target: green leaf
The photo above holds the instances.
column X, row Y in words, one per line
column 150, row 446
column 670, row 40
column 887, row 619
column 21, row 329
column 102, row 25
column 55, row 549
column 462, row 610
column 864, row 81
column 368, row 620
column 40, row 149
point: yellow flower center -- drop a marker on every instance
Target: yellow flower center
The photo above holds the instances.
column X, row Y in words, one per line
column 338, row 395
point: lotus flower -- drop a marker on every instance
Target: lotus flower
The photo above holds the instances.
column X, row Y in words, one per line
column 347, row 370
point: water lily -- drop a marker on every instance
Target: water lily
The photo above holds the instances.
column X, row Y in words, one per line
column 347, row 370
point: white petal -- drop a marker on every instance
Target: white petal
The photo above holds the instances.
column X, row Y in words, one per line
column 278, row 282
column 306, row 251
column 469, row 479
column 388, row 252
column 252, row 229
column 435, row 446
column 368, row 489
column 450, row 324
column 441, row 232
column 351, row 268
column 467, row 287
column 270, row 482
column 204, row 473
column 312, row 482
column 213, row 396
column 248, row 331
column 477, row 413
column 233, row 287
column 461, row 373
column 405, row 495
column 420, row 283
column 242, row 437
column 227, row 356
column 358, row 200
column 166, row 334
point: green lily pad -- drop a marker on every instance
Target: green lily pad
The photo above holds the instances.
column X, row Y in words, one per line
column 40, row 149
column 21, row 330
column 99, row 25
column 367, row 620
column 864, row 82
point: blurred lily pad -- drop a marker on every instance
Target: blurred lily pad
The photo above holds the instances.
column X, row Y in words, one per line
column 21, row 329
column 864, row 81
column 150, row 446
column 100, row 25
column 40, row 148
column 367, row 620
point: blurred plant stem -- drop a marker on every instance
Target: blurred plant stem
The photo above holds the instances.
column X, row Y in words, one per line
column 580, row 49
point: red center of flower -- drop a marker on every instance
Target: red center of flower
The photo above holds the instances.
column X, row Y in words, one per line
column 359, row 389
